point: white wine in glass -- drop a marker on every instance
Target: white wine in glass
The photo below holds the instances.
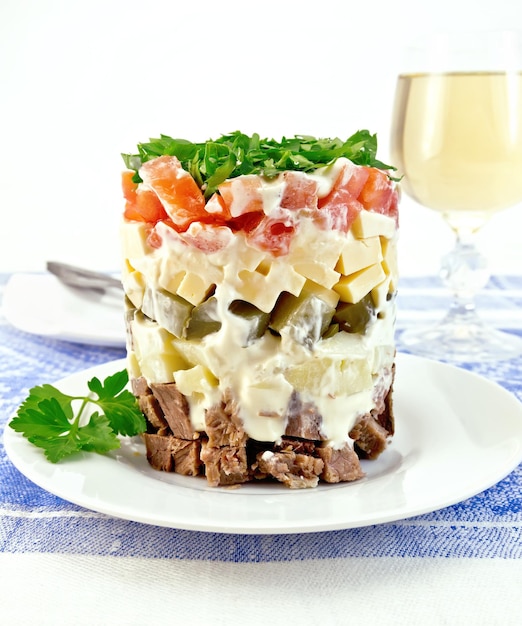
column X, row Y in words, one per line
column 457, row 142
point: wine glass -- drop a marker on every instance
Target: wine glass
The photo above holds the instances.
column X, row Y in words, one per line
column 457, row 141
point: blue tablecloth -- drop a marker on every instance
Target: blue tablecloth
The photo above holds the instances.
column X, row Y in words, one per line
column 32, row 521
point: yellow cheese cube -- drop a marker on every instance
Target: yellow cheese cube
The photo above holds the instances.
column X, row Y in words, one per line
column 193, row 288
column 329, row 296
column 191, row 277
column 318, row 272
column 170, row 280
column 133, row 284
column 358, row 254
column 390, row 262
column 133, row 236
column 354, row 287
column 370, row 224
column 380, row 293
column 326, row 250
column 197, row 379
column 262, row 288
column 244, row 257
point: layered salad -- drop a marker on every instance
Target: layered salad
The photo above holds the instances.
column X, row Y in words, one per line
column 260, row 280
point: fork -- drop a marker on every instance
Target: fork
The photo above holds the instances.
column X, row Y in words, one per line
column 82, row 278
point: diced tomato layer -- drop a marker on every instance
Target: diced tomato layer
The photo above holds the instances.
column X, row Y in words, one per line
column 207, row 237
column 149, row 206
column 272, row 235
column 242, row 195
column 170, row 194
column 393, row 210
column 354, row 178
column 379, row 195
column 376, row 195
column 339, row 210
column 341, row 206
column 128, row 185
column 146, row 207
column 154, row 239
column 177, row 190
column 355, row 189
column 246, row 222
column 217, row 207
column 300, row 191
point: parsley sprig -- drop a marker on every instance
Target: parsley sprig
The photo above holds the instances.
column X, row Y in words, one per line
column 50, row 420
column 236, row 154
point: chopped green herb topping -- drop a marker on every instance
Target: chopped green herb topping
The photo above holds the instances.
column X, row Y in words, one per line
column 212, row 162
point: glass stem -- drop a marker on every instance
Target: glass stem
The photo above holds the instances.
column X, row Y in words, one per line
column 464, row 271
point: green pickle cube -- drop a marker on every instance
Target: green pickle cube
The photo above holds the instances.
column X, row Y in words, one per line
column 305, row 317
column 167, row 309
column 354, row 318
column 204, row 320
column 257, row 319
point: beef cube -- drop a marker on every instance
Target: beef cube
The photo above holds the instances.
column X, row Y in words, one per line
column 223, row 425
column 186, row 456
column 340, row 464
column 151, row 409
column 299, row 446
column 171, row 454
column 369, row 436
column 296, row 471
column 303, row 419
column 140, row 386
column 226, row 465
column 383, row 411
column 175, row 409
column 159, row 452
column 385, row 417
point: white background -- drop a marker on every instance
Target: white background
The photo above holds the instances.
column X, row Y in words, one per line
column 81, row 82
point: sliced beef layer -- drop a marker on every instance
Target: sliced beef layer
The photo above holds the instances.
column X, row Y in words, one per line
column 226, row 456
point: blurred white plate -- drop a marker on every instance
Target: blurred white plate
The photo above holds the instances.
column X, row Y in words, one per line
column 40, row 304
column 457, row 434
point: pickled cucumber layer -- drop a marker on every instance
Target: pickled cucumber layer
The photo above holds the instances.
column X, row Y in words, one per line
column 305, row 318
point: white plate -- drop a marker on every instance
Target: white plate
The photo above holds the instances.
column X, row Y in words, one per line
column 41, row 305
column 457, row 434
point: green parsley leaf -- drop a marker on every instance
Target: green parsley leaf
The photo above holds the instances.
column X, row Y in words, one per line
column 118, row 404
column 97, row 435
column 51, row 419
column 45, row 392
column 212, row 162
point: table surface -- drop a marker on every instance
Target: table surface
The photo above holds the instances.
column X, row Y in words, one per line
column 60, row 562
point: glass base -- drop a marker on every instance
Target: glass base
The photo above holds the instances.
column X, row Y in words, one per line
column 461, row 343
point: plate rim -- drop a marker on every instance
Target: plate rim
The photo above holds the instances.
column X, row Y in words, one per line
column 91, row 337
column 31, row 462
